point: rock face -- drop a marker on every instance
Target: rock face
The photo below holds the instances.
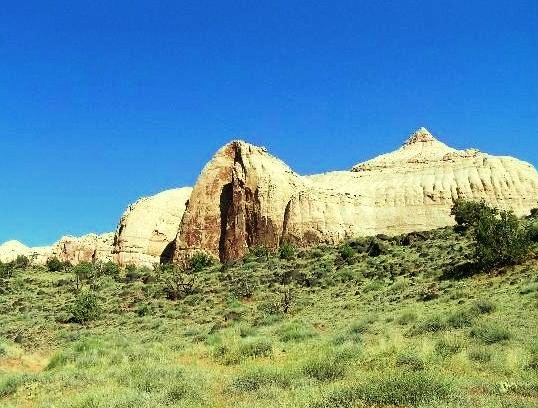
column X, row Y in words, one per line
column 238, row 202
column 148, row 228
column 10, row 250
column 88, row 248
column 244, row 197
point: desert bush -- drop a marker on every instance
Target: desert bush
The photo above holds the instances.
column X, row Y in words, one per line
column 361, row 326
column 21, row 262
column 431, row 324
column 242, row 283
column 54, row 264
column 295, row 331
column 107, row 269
column 260, row 252
column 533, row 231
column 468, row 213
column 406, row 318
column 286, row 251
column 258, row 377
column 398, row 389
column 411, row 360
column 500, row 238
column 490, row 333
column 200, row 261
column 347, row 253
column 176, row 283
column 484, row 306
column 6, row 269
column 83, row 270
column 479, row 354
column 236, row 352
column 10, row 383
column 462, row 318
column 448, row 345
column 85, row 307
column 324, row 367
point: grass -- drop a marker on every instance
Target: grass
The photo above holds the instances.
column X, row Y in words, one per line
column 365, row 331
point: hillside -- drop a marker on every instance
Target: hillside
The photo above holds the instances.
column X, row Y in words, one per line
column 377, row 322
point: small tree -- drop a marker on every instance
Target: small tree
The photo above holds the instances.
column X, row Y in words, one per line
column 108, row 269
column 499, row 237
column 468, row 213
column 85, row 307
column 21, row 262
column 82, row 271
column 54, row 264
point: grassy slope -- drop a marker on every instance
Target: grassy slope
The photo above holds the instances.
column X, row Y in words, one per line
column 375, row 331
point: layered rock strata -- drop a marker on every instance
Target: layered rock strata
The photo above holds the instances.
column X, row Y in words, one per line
column 245, row 197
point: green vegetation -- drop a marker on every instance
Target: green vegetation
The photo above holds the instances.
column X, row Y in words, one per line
column 374, row 322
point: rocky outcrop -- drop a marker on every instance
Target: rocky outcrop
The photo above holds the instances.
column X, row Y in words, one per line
column 147, row 230
column 245, row 197
column 238, row 202
column 88, row 248
column 10, row 250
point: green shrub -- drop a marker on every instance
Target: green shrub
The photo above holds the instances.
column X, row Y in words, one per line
column 109, row 269
column 347, row 253
column 406, row 318
column 200, row 261
column 260, row 252
column 242, row 284
column 256, row 378
column 324, row 368
column 468, row 213
column 432, row 324
column 286, row 251
column 9, row 384
column 462, row 318
column 176, row 283
column 83, row 270
column 490, row 333
column 411, row 360
column 54, row 264
column 85, row 308
column 484, row 306
column 237, row 352
column 21, row 262
column 256, row 348
column 448, row 345
column 500, row 240
column 361, row 326
column 295, row 332
column 479, row 354
column 399, row 389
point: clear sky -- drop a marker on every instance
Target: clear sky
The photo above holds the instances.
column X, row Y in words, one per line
column 102, row 102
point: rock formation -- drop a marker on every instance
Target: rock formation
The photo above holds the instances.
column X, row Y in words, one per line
column 9, row 250
column 245, row 197
column 88, row 248
column 148, row 228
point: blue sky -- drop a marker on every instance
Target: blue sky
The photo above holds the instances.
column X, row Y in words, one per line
column 102, row 102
